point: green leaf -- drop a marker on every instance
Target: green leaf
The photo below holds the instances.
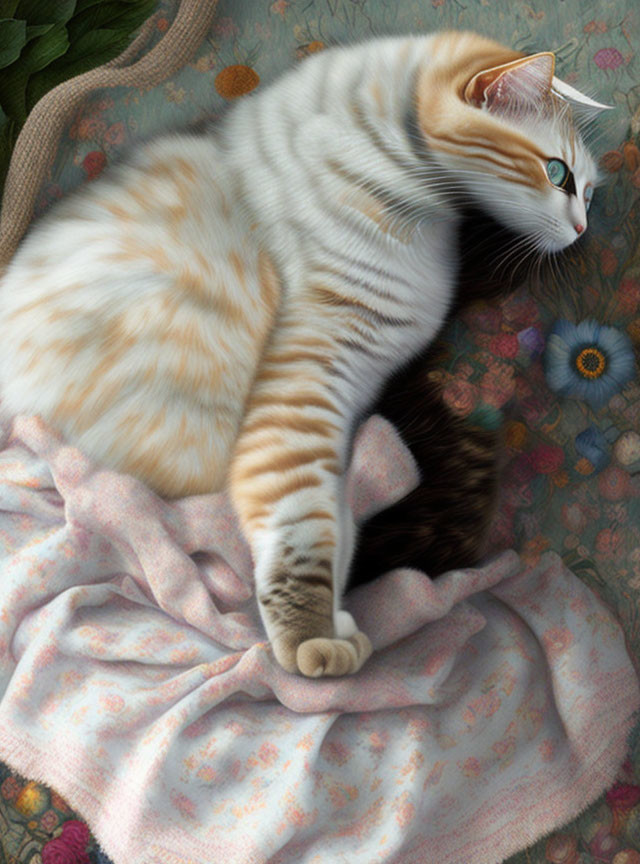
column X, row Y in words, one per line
column 45, row 12
column 13, row 38
column 89, row 51
column 37, row 54
column 111, row 15
column 38, row 30
column 8, row 8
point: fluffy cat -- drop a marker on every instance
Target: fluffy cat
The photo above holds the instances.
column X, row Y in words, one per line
column 223, row 308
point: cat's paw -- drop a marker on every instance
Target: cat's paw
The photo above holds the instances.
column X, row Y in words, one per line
column 317, row 658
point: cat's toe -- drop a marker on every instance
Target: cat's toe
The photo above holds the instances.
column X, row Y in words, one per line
column 285, row 653
column 317, row 658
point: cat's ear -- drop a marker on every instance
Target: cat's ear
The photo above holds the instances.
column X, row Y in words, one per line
column 570, row 94
column 526, row 80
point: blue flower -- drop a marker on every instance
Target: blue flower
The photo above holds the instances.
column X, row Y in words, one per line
column 588, row 361
column 592, row 444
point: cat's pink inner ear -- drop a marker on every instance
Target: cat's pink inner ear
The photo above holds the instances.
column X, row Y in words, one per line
column 527, row 80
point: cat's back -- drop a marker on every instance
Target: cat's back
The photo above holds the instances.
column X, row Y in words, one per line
column 135, row 312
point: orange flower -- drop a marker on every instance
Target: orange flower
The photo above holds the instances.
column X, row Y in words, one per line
column 234, row 81
column 633, row 329
column 33, row 800
column 557, row 640
column 613, row 160
column 631, row 156
column 560, row 479
column 584, row 467
column 516, row 435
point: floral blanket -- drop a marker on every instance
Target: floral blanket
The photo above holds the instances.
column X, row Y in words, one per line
column 136, row 680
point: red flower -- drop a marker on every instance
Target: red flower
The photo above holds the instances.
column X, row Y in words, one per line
column 628, row 296
column 505, row 345
column 93, row 163
column 56, row 851
column 547, row 458
column 76, row 836
column 623, row 796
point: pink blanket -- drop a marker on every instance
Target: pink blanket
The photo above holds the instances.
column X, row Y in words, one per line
column 136, row 680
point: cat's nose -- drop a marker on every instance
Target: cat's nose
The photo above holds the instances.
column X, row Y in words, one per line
column 579, row 228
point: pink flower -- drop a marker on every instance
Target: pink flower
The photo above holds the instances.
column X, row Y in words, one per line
column 609, row 543
column 114, row 136
column 49, row 820
column 87, row 128
column 574, row 519
column 557, row 640
column 562, row 849
column 10, row 789
column 608, row 58
column 603, row 845
column 460, row 396
column 614, row 484
column 533, row 410
column 93, row 163
column 471, row 767
column 485, row 318
column 505, row 345
column 226, row 27
column 280, row 6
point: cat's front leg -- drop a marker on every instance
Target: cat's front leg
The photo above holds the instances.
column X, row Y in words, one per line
column 287, row 484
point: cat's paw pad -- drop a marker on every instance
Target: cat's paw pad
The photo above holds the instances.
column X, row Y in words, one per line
column 317, row 658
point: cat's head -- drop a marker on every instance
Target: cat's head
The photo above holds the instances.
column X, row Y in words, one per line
column 507, row 135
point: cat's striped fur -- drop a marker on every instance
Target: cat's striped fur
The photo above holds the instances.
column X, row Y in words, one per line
column 222, row 308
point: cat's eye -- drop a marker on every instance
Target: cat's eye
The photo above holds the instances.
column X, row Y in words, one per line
column 558, row 172
column 588, row 196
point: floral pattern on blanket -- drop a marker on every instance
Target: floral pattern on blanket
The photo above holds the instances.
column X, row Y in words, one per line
column 571, row 463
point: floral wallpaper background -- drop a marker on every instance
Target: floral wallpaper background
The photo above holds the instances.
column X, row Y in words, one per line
column 556, row 361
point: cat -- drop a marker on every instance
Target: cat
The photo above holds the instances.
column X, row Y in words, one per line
column 220, row 311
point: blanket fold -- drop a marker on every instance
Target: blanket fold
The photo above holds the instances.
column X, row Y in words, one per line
column 136, row 680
